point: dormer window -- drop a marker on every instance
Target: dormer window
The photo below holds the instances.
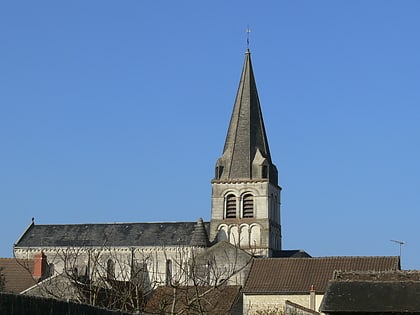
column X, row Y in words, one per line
column 218, row 171
column 230, row 206
column 248, row 206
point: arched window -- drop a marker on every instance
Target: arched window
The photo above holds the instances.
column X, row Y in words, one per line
column 230, row 206
column 248, row 206
column 110, row 269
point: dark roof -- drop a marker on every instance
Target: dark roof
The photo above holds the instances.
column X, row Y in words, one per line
column 109, row 234
column 297, row 275
column 218, row 300
column 388, row 291
column 17, row 274
column 290, row 253
column 398, row 275
column 372, row 297
column 199, row 236
column 246, row 138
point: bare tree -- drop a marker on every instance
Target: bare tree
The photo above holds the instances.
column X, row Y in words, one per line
column 124, row 279
column 2, row 280
column 212, row 278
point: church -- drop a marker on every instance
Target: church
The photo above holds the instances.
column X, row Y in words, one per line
column 245, row 212
column 240, row 247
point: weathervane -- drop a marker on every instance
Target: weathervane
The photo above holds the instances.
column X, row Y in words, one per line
column 248, row 30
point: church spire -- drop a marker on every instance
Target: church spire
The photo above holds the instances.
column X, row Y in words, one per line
column 245, row 191
column 246, row 155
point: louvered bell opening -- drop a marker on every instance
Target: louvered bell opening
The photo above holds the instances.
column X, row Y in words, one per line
column 230, row 207
column 248, row 206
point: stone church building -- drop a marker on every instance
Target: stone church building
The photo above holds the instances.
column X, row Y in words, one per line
column 238, row 247
column 245, row 219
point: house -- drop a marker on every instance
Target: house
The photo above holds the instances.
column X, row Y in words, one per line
column 19, row 274
column 224, row 300
column 303, row 281
column 387, row 292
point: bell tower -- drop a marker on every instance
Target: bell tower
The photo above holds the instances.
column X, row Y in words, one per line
column 245, row 190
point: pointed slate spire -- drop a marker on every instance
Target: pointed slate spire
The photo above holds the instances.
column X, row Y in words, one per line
column 199, row 235
column 246, row 155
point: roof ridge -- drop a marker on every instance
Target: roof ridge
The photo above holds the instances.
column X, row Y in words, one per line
column 115, row 223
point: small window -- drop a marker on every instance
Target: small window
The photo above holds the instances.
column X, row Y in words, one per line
column 230, row 206
column 248, row 206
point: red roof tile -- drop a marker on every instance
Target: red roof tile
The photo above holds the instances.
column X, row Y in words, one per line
column 297, row 275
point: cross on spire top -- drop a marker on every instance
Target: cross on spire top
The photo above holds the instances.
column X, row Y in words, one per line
column 248, row 30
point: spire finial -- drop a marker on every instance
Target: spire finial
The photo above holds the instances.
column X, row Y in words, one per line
column 248, row 30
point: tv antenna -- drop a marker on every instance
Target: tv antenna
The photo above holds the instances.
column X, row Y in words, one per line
column 400, row 243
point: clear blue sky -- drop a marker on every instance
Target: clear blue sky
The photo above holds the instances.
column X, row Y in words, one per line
column 116, row 111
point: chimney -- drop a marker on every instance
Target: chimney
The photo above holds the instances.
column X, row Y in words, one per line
column 40, row 265
column 312, row 298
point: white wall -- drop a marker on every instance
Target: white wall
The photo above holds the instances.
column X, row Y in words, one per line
column 254, row 303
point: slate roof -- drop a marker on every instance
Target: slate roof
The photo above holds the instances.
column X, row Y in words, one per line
column 373, row 292
column 246, row 137
column 372, row 297
column 17, row 273
column 399, row 275
column 297, row 275
column 289, row 253
column 199, row 236
column 109, row 234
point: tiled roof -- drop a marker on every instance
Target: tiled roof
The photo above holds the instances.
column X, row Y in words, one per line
column 111, row 234
column 218, row 301
column 17, row 273
column 297, row 275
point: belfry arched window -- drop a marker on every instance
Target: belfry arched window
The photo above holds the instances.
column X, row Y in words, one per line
column 248, row 206
column 230, row 206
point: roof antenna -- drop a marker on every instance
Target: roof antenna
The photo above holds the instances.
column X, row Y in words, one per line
column 248, row 30
column 401, row 243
